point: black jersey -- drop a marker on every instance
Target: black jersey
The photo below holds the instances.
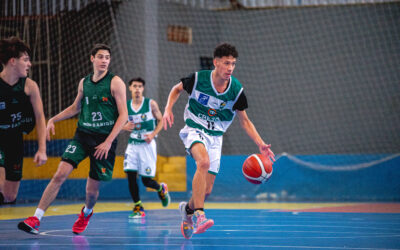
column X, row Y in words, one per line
column 16, row 112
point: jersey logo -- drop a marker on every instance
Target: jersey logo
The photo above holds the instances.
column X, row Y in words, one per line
column 2, row 105
column 104, row 99
column 144, row 117
column 203, row 99
column 212, row 112
column 148, row 170
column 222, row 105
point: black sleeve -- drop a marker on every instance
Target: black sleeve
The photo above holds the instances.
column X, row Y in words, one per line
column 188, row 83
column 241, row 103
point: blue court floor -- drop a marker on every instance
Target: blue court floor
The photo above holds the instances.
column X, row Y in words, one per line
column 233, row 229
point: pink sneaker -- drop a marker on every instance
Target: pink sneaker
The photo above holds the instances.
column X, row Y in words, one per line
column 30, row 225
column 202, row 223
column 81, row 223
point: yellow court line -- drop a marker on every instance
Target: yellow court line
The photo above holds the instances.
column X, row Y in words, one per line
column 12, row 212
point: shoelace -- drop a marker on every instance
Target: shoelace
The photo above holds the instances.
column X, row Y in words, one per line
column 137, row 209
column 162, row 194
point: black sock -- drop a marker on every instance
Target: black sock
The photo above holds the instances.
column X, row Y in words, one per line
column 197, row 209
column 150, row 183
column 189, row 211
column 1, row 198
column 133, row 186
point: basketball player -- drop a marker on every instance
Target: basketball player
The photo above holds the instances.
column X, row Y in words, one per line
column 145, row 122
column 215, row 97
column 20, row 107
column 101, row 102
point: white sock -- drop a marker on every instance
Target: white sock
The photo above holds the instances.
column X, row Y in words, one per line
column 87, row 211
column 39, row 213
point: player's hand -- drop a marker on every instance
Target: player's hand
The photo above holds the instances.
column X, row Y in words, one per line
column 168, row 119
column 40, row 158
column 129, row 126
column 148, row 138
column 102, row 150
column 265, row 149
column 50, row 128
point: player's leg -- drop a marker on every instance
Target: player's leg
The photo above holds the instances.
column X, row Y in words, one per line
column 31, row 224
column 210, row 179
column 92, row 193
column 148, row 167
column 50, row 193
column 10, row 191
column 70, row 159
column 138, row 210
column 12, row 155
column 100, row 170
column 200, row 155
column 199, row 184
column 131, row 168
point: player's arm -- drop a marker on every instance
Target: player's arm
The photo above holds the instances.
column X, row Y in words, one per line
column 118, row 91
column 168, row 118
column 34, row 95
column 251, row 131
column 157, row 114
column 70, row 111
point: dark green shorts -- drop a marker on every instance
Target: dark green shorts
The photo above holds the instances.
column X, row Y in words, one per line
column 83, row 145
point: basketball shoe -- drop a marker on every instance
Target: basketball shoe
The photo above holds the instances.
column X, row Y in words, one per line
column 81, row 223
column 202, row 223
column 187, row 222
column 138, row 212
column 30, row 225
column 164, row 195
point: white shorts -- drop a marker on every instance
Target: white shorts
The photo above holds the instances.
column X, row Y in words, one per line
column 141, row 158
column 213, row 145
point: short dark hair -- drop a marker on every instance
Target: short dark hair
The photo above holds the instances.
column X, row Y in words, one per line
column 99, row 46
column 12, row 47
column 225, row 49
column 137, row 79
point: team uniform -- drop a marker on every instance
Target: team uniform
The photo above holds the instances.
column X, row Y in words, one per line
column 208, row 114
column 16, row 118
column 139, row 155
column 98, row 115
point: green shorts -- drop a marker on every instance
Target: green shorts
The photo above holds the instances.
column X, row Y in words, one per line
column 83, row 145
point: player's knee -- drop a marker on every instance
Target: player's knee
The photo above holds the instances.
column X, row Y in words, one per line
column 203, row 164
column 59, row 178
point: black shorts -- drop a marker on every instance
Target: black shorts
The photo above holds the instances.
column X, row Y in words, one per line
column 83, row 145
column 12, row 154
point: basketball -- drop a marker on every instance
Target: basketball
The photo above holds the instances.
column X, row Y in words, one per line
column 257, row 168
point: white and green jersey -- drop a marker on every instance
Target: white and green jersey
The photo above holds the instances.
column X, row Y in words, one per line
column 145, row 122
column 209, row 110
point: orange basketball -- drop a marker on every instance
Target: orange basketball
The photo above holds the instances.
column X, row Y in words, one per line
column 257, row 168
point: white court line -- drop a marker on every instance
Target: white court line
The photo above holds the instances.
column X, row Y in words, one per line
column 382, row 235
